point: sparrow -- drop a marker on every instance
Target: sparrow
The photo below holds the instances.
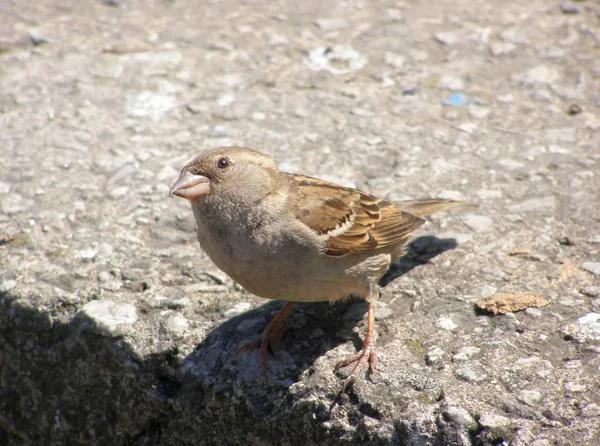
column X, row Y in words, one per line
column 296, row 238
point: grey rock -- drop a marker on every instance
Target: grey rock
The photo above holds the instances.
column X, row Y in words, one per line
column 586, row 329
column 332, row 24
column 340, row 59
column 469, row 374
column 109, row 318
column 591, row 291
column 394, row 60
column 592, row 267
column 7, row 285
column 435, row 356
column 466, row 353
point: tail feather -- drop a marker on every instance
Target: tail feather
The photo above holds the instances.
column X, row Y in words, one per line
column 422, row 208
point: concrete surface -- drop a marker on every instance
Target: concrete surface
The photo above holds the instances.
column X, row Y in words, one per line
column 116, row 329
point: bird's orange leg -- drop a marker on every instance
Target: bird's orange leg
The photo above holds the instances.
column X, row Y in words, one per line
column 367, row 353
column 270, row 337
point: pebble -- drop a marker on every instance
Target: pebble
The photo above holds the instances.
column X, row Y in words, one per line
column 451, row 83
column 7, row 285
column 585, row 329
column 204, row 288
column 15, row 204
column 446, row 323
column 118, row 192
column 87, row 254
column 339, row 59
column 459, row 416
column 491, row 420
column 530, row 397
column 448, row 37
column 532, row 365
column 591, row 291
column 111, row 319
column 540, row 74
column 435, row 356
column 238, row 308
column 591, row 410
column 592, row 267
column 179, row 304
column 332, row 24
column 465, row 353
column 394, row 60
column 500, row 48
column 469, row 375
column 175, row 324
column 478, row 112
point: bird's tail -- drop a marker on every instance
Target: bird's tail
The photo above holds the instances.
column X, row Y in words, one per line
column 422, row 208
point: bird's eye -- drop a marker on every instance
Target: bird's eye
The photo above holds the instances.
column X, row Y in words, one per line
column 223, row 163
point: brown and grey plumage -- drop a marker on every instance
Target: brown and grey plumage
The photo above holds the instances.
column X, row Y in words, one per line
column 296, row 238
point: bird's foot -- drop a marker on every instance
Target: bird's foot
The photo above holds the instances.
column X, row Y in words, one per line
column 268, row 341
column 366, row 354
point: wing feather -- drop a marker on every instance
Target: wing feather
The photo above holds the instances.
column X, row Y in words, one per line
column 352, row 221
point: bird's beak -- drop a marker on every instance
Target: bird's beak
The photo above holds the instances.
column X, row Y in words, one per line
column 190, row 186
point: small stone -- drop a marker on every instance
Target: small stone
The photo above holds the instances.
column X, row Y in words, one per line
column 175, row 324
column 394, row 60
column 530, row 397
column 478, row 112
column 490, row 420
column 448, row 37
column 591, row 410
column 574, row 109
column 451, row 83
column 541, row 74
column 435, row 356
column 238, row 308
column 446, row 323
column 532, row 365
column 7, row 285
column 382, row 311
column 36, row 37
column 15, row 204
column 469, row 375
column 501, row 47
column 179, row 304
column 109, row 318
column 478, row 223
column 592, row 267
column 587, row 328
column 460, row 417
column 204, row 288
column 87, row 254
column 118, row 192
column 332, row 24
column 591, row 291
column 568, row 8
column 466, row 353
column 339, row 59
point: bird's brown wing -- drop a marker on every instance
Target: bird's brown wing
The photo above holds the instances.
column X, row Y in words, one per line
column 353, row 221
